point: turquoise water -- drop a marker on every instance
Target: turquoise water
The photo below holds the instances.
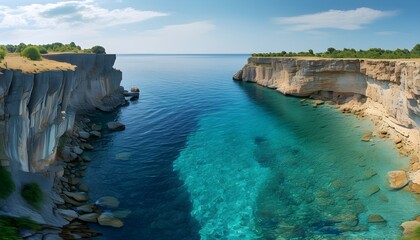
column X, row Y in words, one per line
column 204, row 157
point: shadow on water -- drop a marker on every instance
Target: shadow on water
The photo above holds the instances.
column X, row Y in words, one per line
column 314, row 187
column 137, row 169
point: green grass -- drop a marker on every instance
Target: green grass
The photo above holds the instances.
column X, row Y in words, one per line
column 9, row 227
column 33, row 195
column 7, row 185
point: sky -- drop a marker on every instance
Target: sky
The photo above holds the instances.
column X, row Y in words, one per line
column 213, row 26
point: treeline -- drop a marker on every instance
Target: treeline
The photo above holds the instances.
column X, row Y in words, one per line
column 53, row 47
column 375, row 53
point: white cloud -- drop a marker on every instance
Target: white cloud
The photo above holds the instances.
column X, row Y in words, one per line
column 336, row 19
column 181, row 38
column 70, row 14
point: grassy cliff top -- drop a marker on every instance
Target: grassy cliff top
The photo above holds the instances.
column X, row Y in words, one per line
column 14, row 61
column 326, row 58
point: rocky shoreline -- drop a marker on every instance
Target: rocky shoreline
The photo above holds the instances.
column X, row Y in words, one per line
column 384, row 91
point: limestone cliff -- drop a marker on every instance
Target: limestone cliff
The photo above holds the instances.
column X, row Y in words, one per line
column 387, row 89
column 37, row 108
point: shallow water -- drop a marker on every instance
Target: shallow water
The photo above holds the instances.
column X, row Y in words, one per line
column 206, row 157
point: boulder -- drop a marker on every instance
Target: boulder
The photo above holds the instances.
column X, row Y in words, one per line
column 78, row 196
column 414, row 187
column 69, row 215
column 96, row 127
column 409, row 228
column 77, row 150
column 108, row 202
column 115, row 126
column 89, row 217
column 397, row 179
column 88, row 208
column 107, row 219
column 87, row 146
column 371, row 190
column 84, row 134
column 95, row 134
column 122, row 213
column 83, row 187
column 72, row 201
column 376, row 218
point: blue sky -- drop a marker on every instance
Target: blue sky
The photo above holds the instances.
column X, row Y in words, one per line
column 216, row 26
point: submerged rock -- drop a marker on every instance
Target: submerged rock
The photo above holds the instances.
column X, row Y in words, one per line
column 397, row 179
column 84, row 134
column 107, row 219
column 376, row 218
column 371, row 190
column 122, row 213
column 108, row 202
column 115, row 126
column 89, row 217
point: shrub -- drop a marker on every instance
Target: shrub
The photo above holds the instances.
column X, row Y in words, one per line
column 33, row 195
column 32, row 53
column 3, row 52
column 98, row 50
column 9, row 227
column 7, row 185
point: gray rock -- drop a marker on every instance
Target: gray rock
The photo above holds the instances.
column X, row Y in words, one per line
column 86, row 158
column 89, row 217
column 56, row 199
column 115, row 126
column 51, row 236
column 95, row 134
column 72, row 201
column 87, row 146
column 108, row 202
column 96, row 127
column 67, row 214
column 78, row 196
column 88, row 208
column 74, row 181
column 84, row 134
column 77, row 150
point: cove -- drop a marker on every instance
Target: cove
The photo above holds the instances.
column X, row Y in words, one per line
column 204, row 157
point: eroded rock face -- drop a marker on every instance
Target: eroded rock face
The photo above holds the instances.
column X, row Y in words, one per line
column 388, row 89
column 36, row 109
column 397, row 179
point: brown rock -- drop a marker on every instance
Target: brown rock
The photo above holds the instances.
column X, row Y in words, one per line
column 366, row 138
column 107, row 219
column 376, row 218
column 372, row 190
column 409, row 228
column 78, row 196
column 414, row 187
column 397, row 179
column 318, row 102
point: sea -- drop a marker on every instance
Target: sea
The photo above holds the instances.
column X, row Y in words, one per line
column 206, row 157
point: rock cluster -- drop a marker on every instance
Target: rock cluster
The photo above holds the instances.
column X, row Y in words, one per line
column 71, row 195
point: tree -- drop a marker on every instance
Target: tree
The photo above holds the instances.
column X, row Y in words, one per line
column 311, row 52
column 415, row 52
column 3, row 52
column 331, row 50
column 20, row 47
column 31, row 52
column 98, row 50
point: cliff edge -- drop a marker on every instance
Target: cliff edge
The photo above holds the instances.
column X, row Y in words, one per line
column 387, row 90
column 37, row 108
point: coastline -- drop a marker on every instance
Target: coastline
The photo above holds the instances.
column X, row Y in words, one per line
column 384, row 91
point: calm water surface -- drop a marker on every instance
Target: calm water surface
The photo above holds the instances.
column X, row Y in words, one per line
column 204, row 157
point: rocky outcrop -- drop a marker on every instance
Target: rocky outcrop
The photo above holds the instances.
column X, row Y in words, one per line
column 386, row 89
column 37, row 108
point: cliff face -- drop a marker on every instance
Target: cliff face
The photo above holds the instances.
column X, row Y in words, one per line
column 37, row 108
column 388, row 89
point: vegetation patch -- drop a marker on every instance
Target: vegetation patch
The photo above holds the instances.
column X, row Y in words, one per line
column 33, row 195
column 3, row 52
column 373, row 53
column 54, row 47
column 9, row 227
column 31, row 52
column 7, row 186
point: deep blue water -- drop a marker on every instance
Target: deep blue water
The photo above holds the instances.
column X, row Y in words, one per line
column 206, row 157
